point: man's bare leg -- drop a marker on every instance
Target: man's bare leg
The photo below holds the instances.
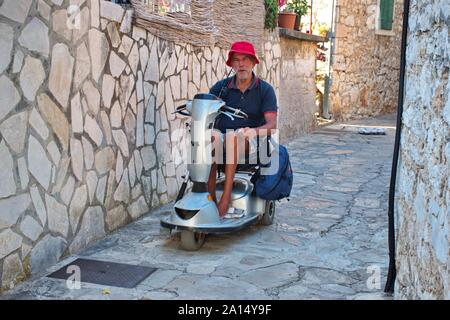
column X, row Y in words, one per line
column 217, row 150
column 225, row 199
column 212, row 182
column 230, row 171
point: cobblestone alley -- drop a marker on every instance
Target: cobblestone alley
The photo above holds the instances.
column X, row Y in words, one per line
column 328, row 242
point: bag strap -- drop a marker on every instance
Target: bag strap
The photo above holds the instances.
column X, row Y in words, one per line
column 225, row 85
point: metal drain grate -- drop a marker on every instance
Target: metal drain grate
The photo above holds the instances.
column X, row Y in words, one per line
column 106, row 273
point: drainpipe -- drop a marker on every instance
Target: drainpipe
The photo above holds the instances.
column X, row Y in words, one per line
column 389, row 288
column 327, row 84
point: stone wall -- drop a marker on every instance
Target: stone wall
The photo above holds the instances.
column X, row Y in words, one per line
column 297, row 88
column 423, row 189
column 87, row 134
column 365, row 65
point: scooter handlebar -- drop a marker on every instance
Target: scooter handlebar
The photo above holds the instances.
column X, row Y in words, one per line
column 182, row 110
column 234, row 112
column 227, row 110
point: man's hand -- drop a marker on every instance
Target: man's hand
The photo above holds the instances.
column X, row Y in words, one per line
column 247, row 132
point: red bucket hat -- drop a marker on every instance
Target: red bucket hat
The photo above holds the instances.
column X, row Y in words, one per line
column 243, row 47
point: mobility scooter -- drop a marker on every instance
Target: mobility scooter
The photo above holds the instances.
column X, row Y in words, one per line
column 195, row 213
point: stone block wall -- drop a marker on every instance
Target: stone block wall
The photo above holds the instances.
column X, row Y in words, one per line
column 423, row 184
column 365, row 65
column 297, row 88
column 87, row 137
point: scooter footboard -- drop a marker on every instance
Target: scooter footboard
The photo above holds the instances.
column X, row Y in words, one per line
column 224, row 226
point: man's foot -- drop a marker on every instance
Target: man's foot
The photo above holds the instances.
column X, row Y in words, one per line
column 223, row 206
column 234, row 213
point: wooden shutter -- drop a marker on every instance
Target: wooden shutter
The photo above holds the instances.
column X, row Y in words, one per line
column 386, row 14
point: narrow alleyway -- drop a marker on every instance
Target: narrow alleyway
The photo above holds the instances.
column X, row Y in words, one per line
column 326, row 243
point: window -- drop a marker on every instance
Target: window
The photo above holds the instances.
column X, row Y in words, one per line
column 385, row 17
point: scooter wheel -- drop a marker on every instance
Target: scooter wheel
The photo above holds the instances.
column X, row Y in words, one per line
column 269, row 213
column 191, row 241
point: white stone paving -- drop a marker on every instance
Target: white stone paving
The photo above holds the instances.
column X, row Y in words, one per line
column 60, row 79
column 12, row 208
column 38, row 163
column 6, row 43
column 9, row 96
column 35, row 37
column 16, row 10
column 58, row 219
column 77, row 206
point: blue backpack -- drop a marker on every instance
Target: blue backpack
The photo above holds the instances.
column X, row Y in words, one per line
column 278, row 185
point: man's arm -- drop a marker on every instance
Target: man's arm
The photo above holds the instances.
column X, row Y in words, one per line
column 265, row 130
column 270, row 126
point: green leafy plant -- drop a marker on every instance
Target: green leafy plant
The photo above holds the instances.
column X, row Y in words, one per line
column 300, row 7
column 323, row 29
column 271, row 14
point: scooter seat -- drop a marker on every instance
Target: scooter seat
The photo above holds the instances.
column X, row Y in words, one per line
column 241, row 188
column 246, row 168
column 251, row 161
column 241, row 168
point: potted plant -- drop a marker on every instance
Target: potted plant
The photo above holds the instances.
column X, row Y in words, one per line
column 300, row 8
column 286, row 17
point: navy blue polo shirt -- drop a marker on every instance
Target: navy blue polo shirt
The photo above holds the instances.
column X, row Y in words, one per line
column 258, row 99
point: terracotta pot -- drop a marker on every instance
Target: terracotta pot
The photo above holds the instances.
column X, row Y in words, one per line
column 297, row 22
column 286, row 20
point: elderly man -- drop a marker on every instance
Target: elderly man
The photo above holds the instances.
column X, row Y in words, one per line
column 253, row 96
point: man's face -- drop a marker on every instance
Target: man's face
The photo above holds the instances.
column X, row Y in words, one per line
column 243, row 65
